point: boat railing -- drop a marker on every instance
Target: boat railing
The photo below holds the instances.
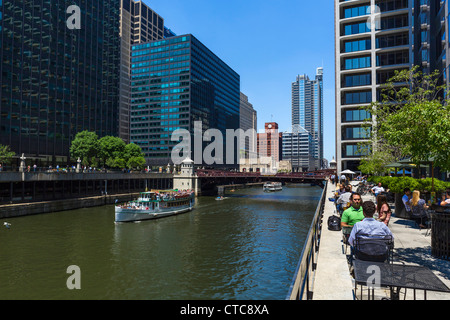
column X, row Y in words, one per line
column 302, row 282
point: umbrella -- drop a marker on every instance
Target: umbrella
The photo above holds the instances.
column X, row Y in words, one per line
column 409, row 163
column 347, row 172
column 396, row 165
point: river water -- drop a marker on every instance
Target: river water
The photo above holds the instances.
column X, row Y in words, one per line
column 245, row 247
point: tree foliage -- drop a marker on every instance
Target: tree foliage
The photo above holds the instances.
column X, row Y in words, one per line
column 110, row 151
column 85, row 146
column 6, row 154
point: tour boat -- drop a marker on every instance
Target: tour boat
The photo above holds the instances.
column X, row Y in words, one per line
column 272, row 186
column 155, row 204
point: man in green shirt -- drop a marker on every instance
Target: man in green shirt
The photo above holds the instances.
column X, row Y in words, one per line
column 353, row 214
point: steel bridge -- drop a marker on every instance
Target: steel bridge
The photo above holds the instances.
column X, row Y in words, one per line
column 216, row 181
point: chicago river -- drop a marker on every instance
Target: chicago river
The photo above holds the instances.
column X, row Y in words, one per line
column 246, row 246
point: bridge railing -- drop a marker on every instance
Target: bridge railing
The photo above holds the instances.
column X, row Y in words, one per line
column 302, row 282
column 220, row 173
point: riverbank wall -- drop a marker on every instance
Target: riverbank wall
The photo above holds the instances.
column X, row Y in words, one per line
column 25, row 209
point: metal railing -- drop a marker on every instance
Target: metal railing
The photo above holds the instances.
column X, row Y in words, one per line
column 302, row 282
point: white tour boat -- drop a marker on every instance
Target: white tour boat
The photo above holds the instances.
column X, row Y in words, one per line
column 272, row 186
column 155, row 204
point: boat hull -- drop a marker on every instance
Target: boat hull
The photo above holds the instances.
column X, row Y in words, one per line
column 273, row 189
column 130, row 215
column 272, row 186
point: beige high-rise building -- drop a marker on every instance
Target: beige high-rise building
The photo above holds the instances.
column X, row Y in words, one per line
column 247, row 121
column 373, row 38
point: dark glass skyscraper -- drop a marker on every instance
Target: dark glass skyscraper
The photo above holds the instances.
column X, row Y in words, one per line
column 56, row 81
column 138, row 24
column 175, row 82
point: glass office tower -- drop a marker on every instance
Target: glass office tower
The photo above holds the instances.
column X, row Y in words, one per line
column 175, row 82
column 56, row 81
column 307, row 109
column 138, row 24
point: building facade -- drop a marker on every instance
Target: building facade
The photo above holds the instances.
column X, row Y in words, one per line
column 175, row 83
column 57, row 81
column 138, row 24
column 269, row 142
column 296, row 148
column 307, row 108
column 248, row 121
column 373, row 39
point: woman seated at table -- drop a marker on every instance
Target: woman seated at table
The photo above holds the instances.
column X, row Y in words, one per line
column 446, row 199
column 418, row 209
column 383, row 209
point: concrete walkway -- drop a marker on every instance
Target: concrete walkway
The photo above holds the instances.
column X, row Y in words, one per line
column 411, row 246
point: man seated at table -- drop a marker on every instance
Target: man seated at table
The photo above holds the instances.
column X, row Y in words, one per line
column 353, row 214
column 407, row 199
column 369, row 226
column 446, row 199
column 343, row 199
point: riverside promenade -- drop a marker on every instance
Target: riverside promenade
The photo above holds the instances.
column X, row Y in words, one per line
column 332, row 280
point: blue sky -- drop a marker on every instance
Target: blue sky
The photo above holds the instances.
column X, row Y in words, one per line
column 268, row 43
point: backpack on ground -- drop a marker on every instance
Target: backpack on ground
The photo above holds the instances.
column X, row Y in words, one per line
column 334, row 223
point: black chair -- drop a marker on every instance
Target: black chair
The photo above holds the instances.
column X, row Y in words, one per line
column 428, row 222
column 376, row 248
column 346, row 231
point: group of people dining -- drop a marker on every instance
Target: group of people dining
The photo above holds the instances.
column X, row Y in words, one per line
column 380, row 212
column 347, row 200
column 417, row 207
column 366, row 217
column 371, row 219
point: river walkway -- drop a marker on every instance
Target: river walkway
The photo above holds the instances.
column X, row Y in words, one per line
column 332, row 280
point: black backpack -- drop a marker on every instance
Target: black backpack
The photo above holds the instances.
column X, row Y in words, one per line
column 334, row 223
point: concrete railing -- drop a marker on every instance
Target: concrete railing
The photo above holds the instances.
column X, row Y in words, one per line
column 302, row 282
column 68, row 176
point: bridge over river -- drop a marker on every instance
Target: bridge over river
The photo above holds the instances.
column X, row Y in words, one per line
column 37, row 187
column 216, row 181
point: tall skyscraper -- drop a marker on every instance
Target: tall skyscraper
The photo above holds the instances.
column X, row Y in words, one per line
column 174, row 83
column 138, row 24
column 307, row 108
column 57, row 81
column 248, row 121
column 373, row 39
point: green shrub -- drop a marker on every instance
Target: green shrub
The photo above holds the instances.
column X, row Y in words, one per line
column 398, row 184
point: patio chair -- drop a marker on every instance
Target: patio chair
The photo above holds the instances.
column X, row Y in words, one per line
column 376, row 248
column 428, row 223
column 345, row 235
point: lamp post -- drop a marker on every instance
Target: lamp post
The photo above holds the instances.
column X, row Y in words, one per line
column 22, row 163
column 78, row 165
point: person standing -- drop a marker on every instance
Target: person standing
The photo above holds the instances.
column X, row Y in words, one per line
column 377, row 189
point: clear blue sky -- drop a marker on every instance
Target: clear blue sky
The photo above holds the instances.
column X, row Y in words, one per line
column 268, row 43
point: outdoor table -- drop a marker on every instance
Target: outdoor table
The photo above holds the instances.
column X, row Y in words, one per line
column 397, row 276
